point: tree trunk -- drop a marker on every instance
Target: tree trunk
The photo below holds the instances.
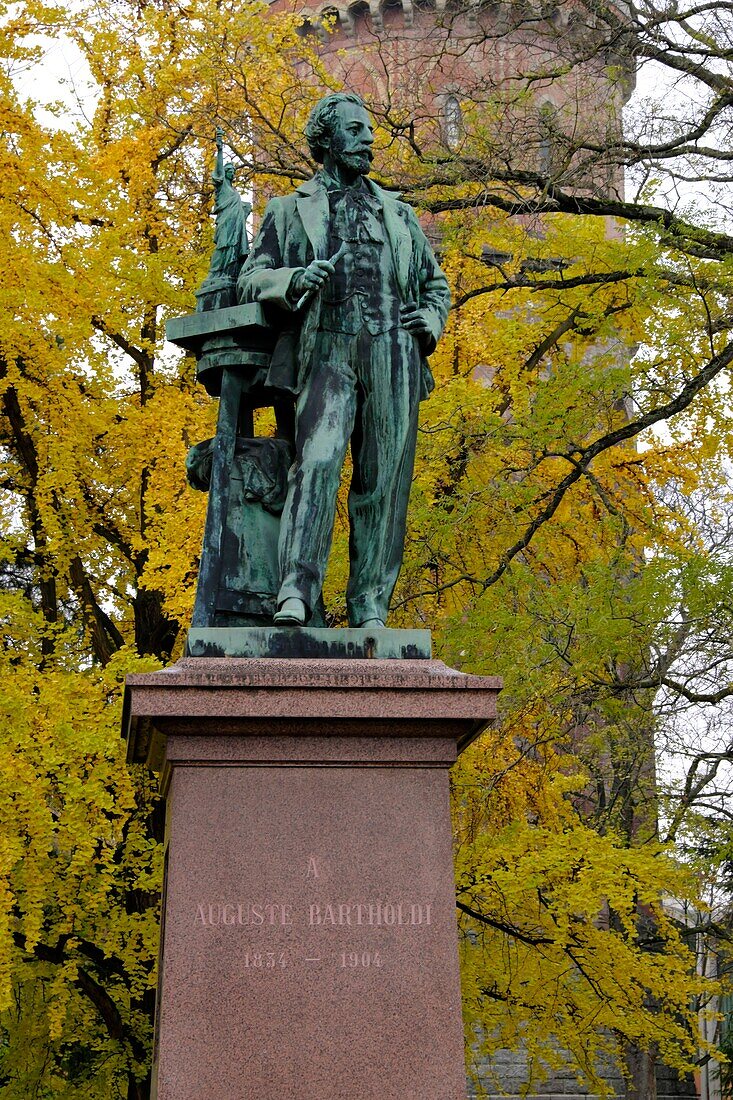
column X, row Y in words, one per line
column 138, row 1090
column 641, row 1080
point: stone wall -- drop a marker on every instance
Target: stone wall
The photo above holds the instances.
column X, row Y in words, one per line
column 505, row 1079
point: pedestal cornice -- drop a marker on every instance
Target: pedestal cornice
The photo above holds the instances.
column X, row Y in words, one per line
column 293, row 698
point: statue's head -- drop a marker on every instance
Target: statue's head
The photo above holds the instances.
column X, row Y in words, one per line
column 339, row 127
column 229, row 172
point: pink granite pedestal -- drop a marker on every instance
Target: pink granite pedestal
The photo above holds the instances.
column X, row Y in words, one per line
column 309, row 942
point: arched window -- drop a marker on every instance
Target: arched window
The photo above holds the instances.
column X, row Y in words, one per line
column 452, row 121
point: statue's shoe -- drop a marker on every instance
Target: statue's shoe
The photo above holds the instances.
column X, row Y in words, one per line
column 372, row 624
column 292, row 612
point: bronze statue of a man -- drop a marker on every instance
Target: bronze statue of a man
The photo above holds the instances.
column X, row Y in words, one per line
column 359, row 302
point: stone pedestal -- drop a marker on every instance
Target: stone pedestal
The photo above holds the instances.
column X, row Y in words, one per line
column 309, row 947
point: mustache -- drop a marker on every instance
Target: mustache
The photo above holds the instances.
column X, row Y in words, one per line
column 360, row 153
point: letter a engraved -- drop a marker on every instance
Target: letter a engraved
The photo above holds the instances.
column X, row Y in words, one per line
column 312, row 869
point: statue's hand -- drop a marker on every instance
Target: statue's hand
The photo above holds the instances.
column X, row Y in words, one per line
column 313, row 278
column 414, row 320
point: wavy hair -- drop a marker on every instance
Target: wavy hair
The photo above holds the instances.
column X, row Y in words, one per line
column 319, row 127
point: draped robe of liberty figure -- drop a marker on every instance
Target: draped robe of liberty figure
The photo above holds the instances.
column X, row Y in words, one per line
column 230, row 237
column 359, row 302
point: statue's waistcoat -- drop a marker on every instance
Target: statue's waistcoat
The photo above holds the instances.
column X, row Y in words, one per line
column 364, row 292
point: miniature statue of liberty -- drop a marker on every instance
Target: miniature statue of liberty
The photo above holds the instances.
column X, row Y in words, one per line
column 231, row 245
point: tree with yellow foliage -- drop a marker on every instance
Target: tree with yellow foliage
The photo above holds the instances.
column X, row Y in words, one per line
column 547, row 540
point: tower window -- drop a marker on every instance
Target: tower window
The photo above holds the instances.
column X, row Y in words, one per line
column 453, row 121
column 548, row 137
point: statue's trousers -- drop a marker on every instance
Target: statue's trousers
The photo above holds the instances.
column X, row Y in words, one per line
column 364, row 389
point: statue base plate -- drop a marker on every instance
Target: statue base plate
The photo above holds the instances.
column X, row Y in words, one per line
column 288, row 641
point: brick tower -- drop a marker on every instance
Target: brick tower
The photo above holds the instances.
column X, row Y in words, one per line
column 534, row 79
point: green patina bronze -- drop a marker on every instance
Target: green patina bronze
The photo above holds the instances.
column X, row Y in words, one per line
column 351, row 302
column 308, row 641
column 230, row 238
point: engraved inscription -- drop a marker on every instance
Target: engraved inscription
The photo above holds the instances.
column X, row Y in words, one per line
column 363, row 959
column 312, row 869
column 244, row 914
column 321, row 933
column 370, row 914
column 322, row 914
column 265, row 960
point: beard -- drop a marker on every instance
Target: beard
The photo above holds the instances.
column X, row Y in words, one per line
column 357, row 162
